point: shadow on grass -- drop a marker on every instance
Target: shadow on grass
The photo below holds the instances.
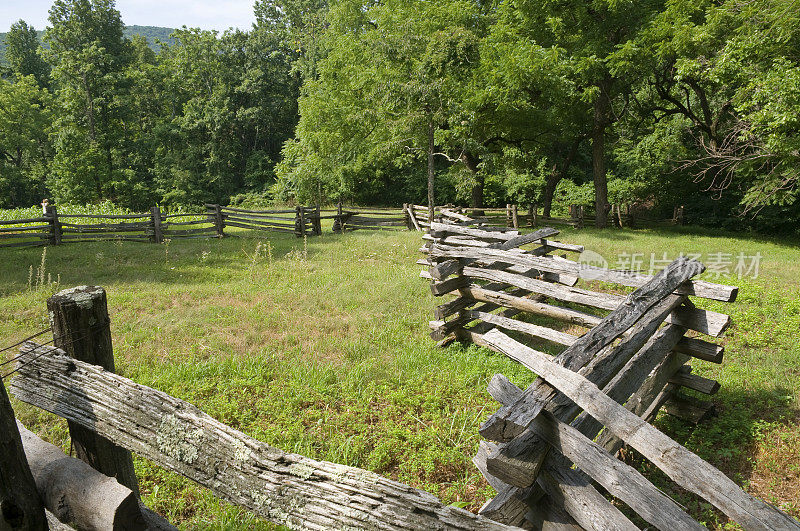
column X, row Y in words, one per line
column 737, row 441
column 177, row 261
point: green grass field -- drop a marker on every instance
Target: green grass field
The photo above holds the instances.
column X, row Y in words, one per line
column 325, row 351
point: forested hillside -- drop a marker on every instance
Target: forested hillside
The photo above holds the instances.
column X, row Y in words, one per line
column 652, row 104
column 153, row 34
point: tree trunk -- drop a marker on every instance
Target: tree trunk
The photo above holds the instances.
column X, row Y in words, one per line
column 471, row 162
column 431, row 169
column 556, row 177
column 602, row 107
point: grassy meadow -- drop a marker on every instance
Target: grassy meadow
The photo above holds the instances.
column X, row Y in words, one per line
column 322, row 348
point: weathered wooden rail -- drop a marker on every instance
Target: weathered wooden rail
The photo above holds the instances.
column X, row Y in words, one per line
column 616, row 361
column 111, row 416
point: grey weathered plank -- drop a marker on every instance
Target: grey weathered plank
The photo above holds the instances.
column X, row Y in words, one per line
column 285, row 488
column 437, row 229
column 528, row 452
column 569, row 315
column 511, row 421
column 684, row 467
column 22, row 221
column 446, row 268
column 646, row 400
column 541, row 332
column 653, row 358
column 703, row 321
column 644, row 376
column 590, row 509
column 618, row 478
column 28, row 228
column 698, row 288
column 696, row 382
column 701, row 349
column 520, row 460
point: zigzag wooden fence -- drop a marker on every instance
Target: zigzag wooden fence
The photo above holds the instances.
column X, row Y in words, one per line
column 616, row 361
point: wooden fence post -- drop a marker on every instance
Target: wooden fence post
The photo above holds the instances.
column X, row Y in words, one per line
column 337, row 219
column 55, row 225
column 514, row 218
column 318, row 222
column 155, row 216
column 531, row 215
column 406, row 217
column 677, row 216
column 300, row 222
column 508, row 215
column 81, row 329
column 219, row 222
column 21, row 505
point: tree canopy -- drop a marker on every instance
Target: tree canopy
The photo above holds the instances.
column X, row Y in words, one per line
column 477, row 101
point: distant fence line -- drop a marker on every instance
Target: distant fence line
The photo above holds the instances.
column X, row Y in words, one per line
column 54, row 228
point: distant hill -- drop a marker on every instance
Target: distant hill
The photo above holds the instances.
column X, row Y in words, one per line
column 151, row 33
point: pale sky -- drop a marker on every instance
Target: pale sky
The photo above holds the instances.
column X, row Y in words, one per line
column 204, row 14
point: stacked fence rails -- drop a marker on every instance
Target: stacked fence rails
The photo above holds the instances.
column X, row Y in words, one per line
column 197, row 225
column 300, row 221
column 30, row 232
column 608, row 363
column 85, row 228
column 375, row 219
column 421, row 214
column 266, row 220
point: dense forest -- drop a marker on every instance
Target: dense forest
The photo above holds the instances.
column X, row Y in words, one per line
column 481, row 102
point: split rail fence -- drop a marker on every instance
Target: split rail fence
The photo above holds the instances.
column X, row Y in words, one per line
column 614, row 361
column 53, row 228
column 110, row 416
